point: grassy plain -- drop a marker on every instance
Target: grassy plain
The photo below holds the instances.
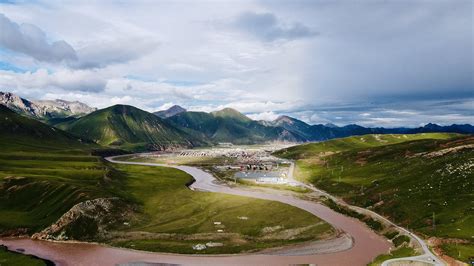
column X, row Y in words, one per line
column 170, row 208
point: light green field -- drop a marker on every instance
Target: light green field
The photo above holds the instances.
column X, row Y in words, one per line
column 459, row 252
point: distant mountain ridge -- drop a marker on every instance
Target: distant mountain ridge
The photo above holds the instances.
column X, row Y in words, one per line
column 44, row 109
column 229, row 125
column 131, row 128
column 286, row 128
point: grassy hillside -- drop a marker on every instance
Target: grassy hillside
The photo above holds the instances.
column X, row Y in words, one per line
column 309, row 150
column 229, row 125
column 128, row 127
column 44, row 171
column 409, row 181
column 19, row 133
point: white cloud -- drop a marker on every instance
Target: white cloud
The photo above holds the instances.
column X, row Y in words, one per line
column 165, row 106
column 162, row 52
column 267, row 27
column 81, row 80
column 122, row 100
column 267, row 116
column 107, row 52
column 31, row 40
column 184, row 67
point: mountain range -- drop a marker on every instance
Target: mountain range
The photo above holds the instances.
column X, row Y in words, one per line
column 44, row 110
column 128, row 127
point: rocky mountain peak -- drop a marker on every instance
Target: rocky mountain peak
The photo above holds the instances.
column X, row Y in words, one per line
column 284, row 119
column 172, row 111
column 44, row 108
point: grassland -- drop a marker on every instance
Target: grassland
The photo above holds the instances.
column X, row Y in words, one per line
column 37, row 188
column 176, row 218
column 402, row 178
column 172, row 216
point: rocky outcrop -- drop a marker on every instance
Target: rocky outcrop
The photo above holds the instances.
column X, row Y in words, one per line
column 59, row 107
column 88, row 220
column 44, row 109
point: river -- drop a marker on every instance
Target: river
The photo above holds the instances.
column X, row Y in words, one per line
column 366, row 244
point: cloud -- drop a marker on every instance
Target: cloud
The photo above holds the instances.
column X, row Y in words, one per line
column 267, row 27
column 80, row 80
column 184, row 67
column 267, row 116
column 116, row 51
column 31, row 40
column 374, row 60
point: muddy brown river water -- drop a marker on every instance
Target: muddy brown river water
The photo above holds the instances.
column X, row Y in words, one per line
column 366, row 244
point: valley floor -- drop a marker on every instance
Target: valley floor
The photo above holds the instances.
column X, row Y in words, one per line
column 366, row 246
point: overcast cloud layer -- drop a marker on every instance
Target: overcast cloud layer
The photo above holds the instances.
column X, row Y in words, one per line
column 375, row 63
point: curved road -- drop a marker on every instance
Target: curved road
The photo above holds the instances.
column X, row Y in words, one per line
column 366, row 244
column 426, row 257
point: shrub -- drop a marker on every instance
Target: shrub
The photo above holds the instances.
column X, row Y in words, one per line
column 375, row 225
column 391, row 234
column 399, row 240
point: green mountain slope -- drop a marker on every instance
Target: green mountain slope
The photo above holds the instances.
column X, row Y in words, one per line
column 129, row 128
column 19, row 133
column 228, row 125
column 44, row 171
column 410, row 182
column 309, row 150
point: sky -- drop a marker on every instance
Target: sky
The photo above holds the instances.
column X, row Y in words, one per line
column 375, row 63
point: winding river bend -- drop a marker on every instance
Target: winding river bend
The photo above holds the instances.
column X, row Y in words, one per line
column 366, row 244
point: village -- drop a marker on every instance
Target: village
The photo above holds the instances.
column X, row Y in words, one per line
column 254, row 163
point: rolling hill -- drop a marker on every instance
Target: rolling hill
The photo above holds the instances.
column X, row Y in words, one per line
column 130, row 128
column 422, row 181
column 228, row 125
column 22, row 133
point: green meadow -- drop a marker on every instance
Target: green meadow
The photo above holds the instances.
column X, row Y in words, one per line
column 170, row 208
column 401, row 177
